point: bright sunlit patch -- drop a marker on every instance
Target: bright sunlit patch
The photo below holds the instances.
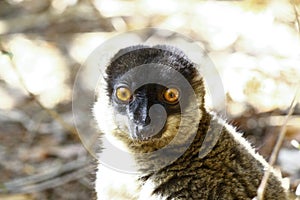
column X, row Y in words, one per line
column 282, row 10
column 298, row 190
column 15, row 1
column 257, row 28
column 165, row 7
column 61, row 5
column 3, row 27
column 119, row 24
column 288, row 47
column 113, row 8
column 82, row 45
column 41, row 66
column 220, row 33
column 174, row 22
column 7, row 102
column 295, row 144
column 260, row 34
column 265, row 64
column 270, row 65
column 267, row 94
column 264, row 82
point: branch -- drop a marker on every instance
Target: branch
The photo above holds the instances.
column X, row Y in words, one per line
column 275, row 152
column 296, row 15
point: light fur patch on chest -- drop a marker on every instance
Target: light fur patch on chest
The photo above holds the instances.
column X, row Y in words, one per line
column 111, row 184
column 147, row 192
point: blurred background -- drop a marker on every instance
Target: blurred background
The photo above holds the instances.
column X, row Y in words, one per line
column 254, row 45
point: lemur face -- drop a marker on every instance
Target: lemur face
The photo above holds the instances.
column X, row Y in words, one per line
column 137, row 104
column 148, row 91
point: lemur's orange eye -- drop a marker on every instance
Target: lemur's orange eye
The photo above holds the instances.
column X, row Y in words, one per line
column 171, row 95
column 123, row 94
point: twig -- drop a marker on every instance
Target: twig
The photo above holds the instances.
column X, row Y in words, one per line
column 65, row 173
column 296, row 15
column 52, row 113
column 55, row 182
column 275, row 152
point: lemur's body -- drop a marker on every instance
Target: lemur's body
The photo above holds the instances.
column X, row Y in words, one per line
column 230, row 170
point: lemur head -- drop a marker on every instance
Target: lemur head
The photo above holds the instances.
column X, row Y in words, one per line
column 148, row 91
